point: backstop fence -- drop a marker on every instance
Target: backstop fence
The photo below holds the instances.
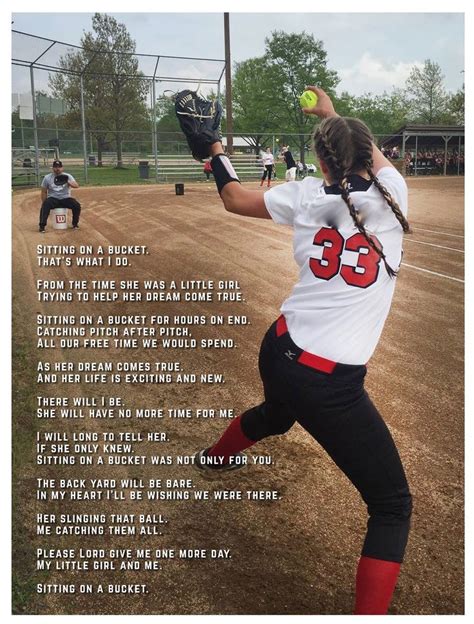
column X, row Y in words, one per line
column 140, row 148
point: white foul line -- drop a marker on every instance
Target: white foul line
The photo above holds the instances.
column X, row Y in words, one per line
column 455, row 279
column 412, row 240
column 435, row 232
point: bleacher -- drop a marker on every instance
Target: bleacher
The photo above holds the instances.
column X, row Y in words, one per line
column 172, row 168
column 23, row 165
column 110, row 158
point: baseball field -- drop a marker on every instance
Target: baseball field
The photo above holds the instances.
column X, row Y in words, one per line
column 293, row 555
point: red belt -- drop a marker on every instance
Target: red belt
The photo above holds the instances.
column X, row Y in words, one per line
column 308, row 359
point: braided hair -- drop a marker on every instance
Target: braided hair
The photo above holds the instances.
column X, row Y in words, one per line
column 345, row 145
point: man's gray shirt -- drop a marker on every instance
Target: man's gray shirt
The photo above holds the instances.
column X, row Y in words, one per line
column 57, row 191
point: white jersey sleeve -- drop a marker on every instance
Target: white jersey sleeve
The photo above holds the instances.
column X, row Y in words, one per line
column 282, row 201
column 395, row 185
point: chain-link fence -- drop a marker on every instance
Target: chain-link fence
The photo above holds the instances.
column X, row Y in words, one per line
column 136, row 149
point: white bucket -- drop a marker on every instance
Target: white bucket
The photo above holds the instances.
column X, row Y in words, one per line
column 60, row 218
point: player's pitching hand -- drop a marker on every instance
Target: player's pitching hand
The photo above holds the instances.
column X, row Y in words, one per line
column 324, row 106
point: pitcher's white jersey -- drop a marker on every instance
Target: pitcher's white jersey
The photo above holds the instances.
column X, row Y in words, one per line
column 338, row 307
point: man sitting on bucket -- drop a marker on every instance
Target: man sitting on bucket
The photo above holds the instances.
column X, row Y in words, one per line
column 56, row 193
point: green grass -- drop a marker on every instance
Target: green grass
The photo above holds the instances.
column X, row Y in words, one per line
column 111, row 176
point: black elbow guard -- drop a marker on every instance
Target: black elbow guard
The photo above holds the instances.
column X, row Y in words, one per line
column 223, row 171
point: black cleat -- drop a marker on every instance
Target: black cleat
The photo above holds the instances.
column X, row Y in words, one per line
column 41, row 229
column 212, row 466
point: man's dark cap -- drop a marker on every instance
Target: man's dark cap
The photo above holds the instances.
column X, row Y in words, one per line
column 57, row 163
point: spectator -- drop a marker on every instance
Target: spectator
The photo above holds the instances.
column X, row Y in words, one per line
column 207, row 169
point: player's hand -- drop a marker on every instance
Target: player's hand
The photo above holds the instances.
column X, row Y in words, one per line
column 324, row 106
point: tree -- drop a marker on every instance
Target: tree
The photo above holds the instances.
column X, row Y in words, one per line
column 297, row 60
column 266, row 89
column 384, row 113
column 426, row 93
column 255, row 107
column 456, row 106
column 114, row 88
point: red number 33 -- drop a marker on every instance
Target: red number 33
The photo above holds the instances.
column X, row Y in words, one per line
column 332, row 242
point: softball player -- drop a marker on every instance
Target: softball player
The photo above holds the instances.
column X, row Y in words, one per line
column 268, row 162
column 290, row 174
column 348, row 233
column 58, row 196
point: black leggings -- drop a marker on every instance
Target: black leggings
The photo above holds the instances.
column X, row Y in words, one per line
column 53, row 202
column 338, row 413
column 267, row 171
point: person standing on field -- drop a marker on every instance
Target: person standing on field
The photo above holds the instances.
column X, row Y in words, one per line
column 348, row 234
column 290, row 175
column 268, row 163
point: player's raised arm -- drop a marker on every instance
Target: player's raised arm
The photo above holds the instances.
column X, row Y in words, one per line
column 236, row 199
column 325, row 108
column 200, row 120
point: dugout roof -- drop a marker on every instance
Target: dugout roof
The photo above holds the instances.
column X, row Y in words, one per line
column 422, row 135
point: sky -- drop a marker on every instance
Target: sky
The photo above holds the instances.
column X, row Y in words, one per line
column 370, row 51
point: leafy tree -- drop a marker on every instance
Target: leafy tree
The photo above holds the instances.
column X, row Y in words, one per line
column 255, row 105
column 426, row 93
column 266, row 89
column 456, row 106
column 382, row 113
column 298, row 60
column 114, row 88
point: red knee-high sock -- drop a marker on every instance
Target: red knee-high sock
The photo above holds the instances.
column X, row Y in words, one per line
column 231, row 442
column 375, row 582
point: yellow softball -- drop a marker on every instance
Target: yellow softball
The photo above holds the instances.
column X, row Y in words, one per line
column 308, row 99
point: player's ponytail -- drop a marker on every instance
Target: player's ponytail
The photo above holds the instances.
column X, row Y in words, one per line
column 345, row 145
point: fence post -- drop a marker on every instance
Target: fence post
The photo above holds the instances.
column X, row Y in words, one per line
column 459, row 152
column 84, row 137
column 416, row 155
column 35, row 126
column 155, row 146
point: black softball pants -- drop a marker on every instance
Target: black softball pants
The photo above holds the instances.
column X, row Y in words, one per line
column 267, row 171
column 338, row 413
column 53, row 202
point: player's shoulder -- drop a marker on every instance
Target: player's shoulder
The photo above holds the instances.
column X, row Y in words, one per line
column 312, row 185
column 391, row 176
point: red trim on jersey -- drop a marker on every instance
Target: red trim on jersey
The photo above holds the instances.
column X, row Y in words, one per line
column 317, row 362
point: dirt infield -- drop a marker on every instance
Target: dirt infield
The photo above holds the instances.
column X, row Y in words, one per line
column 295, row 555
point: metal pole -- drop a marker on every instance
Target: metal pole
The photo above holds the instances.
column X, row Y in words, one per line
column 404, row 166
column 22, row 134
column 445, row 153
column 459, row 152
column 84, row 136
column 155, row 146
column 416, row 154
column 35, row 126
column 151, row 118
column 228, row 86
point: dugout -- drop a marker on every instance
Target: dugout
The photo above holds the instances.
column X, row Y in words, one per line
column 428, row 149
